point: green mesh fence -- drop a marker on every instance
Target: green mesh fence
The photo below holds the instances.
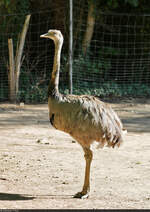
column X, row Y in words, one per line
column 116, row 63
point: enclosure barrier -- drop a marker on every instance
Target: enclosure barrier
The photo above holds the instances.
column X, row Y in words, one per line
column 116, row 61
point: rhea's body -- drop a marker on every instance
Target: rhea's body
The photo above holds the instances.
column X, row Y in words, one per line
column 85, row 118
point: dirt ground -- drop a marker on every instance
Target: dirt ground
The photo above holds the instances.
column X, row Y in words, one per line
column 42, row 168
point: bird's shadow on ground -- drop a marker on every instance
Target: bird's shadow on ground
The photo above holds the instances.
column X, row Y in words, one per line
column 24, row 197
column 14, row 197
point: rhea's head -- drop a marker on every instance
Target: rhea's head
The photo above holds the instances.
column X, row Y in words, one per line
column 53, row 34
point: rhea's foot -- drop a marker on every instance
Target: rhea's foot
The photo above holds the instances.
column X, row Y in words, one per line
column 81, row 195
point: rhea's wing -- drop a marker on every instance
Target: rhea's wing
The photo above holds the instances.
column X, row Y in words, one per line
column 87, row 118
column 98, row 119
column 111, row 124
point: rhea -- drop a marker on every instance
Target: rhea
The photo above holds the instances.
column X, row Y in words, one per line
column 84, row 117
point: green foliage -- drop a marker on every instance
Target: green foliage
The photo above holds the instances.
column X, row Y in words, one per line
column 3, row 91
column 134, row 3
column 5, row 2
column 115, row 90
column 93, row 73
column 10, row 24
column 30, row 91
column 112, row 3
column 38, row 94
column 8, row 20
column 33, row 94
column 84, row 65
column 121, row 6
column 116, row 3
column 14, row 6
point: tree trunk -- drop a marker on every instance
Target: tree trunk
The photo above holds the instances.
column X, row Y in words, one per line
column 90, row 27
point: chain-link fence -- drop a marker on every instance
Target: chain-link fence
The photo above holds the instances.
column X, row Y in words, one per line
column 116, row 60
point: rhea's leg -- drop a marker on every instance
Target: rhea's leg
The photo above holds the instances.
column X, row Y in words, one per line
column 86, row 187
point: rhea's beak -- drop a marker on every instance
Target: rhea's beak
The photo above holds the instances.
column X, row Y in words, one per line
column 44, row 35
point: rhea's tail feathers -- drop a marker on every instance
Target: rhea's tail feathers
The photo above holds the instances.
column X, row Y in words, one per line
column 109, row 143
column 111, row 140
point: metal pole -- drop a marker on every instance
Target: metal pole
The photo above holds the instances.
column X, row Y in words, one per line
column 70, row 44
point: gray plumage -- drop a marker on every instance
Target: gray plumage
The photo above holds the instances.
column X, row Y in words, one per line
column 85, row 118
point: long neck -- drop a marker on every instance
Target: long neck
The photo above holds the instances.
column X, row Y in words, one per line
column 54, row 81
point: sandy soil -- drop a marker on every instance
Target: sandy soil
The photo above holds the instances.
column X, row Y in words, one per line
column 41, row 167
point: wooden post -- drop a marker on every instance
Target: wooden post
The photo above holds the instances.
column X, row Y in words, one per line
column 11, row 74
column 70, row 46
column 20, row 51
column 15, row 64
